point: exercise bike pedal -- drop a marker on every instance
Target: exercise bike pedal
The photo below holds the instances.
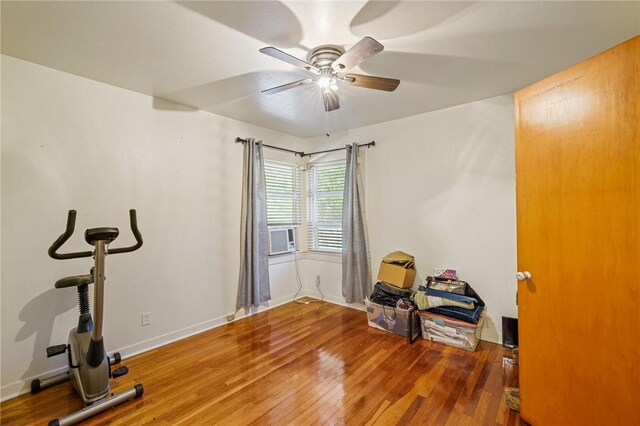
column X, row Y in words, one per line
column 56, row 350
column 120, row 371
column 115, row 358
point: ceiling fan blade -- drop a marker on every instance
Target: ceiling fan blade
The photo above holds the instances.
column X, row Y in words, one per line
column 330, row 100
column 288, row 86
column 279, row 54
column 372, row 82
column 365, row 48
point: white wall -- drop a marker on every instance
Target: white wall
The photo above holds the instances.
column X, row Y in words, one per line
column 70, row 142
column 441, row 186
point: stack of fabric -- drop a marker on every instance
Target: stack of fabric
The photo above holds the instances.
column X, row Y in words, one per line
column 465, row 307
column 450, row 312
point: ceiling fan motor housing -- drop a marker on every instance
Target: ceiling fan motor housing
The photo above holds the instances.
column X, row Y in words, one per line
column 323, row 56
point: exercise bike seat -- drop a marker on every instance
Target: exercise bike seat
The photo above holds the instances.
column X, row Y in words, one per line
column 105, row 234
column 74, row 281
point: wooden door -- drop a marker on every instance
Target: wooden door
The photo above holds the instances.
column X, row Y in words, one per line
column 578, row 213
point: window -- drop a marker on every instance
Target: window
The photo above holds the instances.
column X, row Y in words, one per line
column 284, row 206
column 325, row 185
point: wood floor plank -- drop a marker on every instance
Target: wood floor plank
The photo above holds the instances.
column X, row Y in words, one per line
column 298, row 364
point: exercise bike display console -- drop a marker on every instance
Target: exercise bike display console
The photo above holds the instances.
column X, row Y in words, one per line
column 89, row 366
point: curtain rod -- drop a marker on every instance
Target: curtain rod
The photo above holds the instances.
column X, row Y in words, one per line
column 366, row 145
column 302, row 153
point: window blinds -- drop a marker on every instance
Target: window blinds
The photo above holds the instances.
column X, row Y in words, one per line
column 284, row 206
column 325, row 191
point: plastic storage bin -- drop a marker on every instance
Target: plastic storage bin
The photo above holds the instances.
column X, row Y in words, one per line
column 449, row 331
column 395, row 320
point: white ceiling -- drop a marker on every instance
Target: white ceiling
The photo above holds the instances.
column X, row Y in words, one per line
column 205, row 54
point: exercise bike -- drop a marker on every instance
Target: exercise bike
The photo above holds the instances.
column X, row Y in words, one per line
column 89, row 366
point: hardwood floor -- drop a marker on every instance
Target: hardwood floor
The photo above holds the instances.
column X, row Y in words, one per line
column 298, row 364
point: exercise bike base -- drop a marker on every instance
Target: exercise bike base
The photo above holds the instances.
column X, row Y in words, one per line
column 38, row 384
column 98, row 407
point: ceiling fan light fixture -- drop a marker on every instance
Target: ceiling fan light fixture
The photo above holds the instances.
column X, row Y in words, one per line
column 331, row 63
column 326, row 82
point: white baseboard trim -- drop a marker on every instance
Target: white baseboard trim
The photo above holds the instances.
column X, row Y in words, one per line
column 174, row 336
column 20, row 387
column 336, row 300
column 490, row 335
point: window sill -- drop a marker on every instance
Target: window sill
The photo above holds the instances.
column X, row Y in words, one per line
column 324, row 256
column 321, row 256
column 275, row 259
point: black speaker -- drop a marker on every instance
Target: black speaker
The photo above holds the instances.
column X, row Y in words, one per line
column 509, row 332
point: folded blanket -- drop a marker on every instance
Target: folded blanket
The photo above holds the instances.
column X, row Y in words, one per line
column 468, row 315
column 425, row 301
column 463, row 314
column 451, row 296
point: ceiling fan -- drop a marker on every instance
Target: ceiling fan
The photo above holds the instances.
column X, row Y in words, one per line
column 331, row 64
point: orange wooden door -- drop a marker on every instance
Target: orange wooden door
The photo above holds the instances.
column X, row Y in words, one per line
column 578, row 203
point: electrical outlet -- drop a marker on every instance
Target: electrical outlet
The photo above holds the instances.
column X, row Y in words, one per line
column 317, row 280
column 146, row 318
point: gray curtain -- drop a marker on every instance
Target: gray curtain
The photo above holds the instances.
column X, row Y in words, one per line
column 356, row 272
column 253, row 285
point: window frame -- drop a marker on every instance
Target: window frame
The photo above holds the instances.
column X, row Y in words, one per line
column 311, row 199
column 296, row 195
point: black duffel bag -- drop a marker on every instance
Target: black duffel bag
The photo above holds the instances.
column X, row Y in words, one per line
column 386, row 295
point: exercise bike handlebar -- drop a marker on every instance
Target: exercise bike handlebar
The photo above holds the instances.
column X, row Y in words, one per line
column 133, row 221
column 71, row 224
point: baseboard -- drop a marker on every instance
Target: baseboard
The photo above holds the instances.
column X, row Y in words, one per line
column 336, row 300
column 174, row 336
column 12, row 390
column 20, row 387
column 491, row 335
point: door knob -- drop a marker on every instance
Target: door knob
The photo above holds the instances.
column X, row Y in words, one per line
column 523, row 276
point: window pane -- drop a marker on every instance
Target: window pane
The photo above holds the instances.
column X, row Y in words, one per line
column 325, row 187
column 329, row 208
column 284, row 206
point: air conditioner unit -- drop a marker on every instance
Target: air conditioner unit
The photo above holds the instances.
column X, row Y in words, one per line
column 282, row 240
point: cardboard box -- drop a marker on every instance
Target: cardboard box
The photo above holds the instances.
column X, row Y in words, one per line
column 396, row 275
